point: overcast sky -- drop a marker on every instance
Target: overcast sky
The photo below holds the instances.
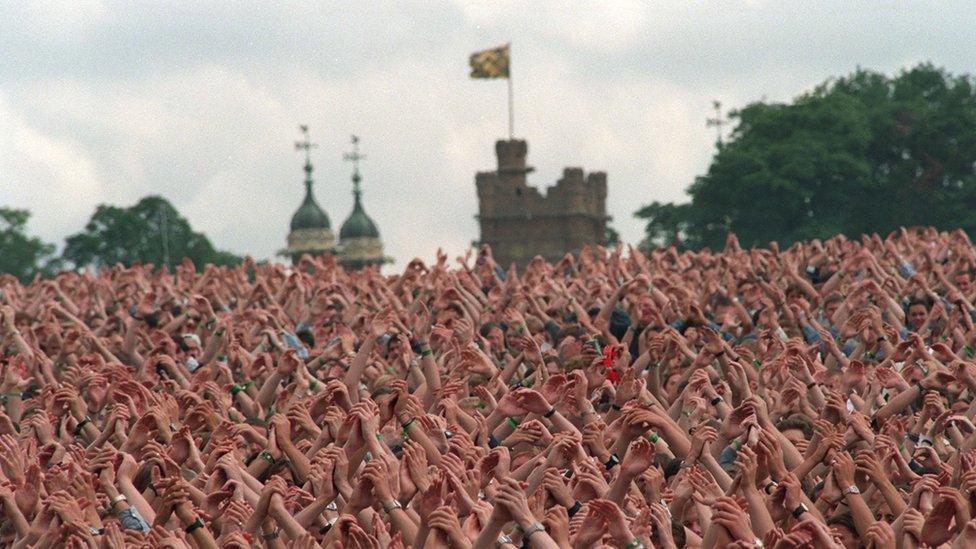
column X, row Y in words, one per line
column 105, row 102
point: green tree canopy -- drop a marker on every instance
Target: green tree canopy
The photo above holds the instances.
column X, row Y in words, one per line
column 860, row 154
column 152, row 231
column 21, row 255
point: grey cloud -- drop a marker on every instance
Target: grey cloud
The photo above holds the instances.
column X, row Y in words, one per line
column 200, row 102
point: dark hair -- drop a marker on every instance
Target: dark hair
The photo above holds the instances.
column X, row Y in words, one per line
column 925, row 302
column 722, row 301
column 795, row 422
column 672, row 468
column 486, row 328
column 833, row 298
column 678, row 532
column 843, row 519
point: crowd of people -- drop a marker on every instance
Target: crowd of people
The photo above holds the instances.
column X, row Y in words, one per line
column 815, row 396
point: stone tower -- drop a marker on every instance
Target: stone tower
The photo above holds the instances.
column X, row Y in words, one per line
column 310, row 230
column 518, row 222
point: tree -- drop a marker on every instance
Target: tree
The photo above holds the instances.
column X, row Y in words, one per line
column 20, row 255
column 152, row 231
column 860, row 154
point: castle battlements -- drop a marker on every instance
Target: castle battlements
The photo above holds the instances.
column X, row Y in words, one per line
column 520, row 222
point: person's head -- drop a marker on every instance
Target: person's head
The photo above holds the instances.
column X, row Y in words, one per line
column 832, row 303
column 797, row 431
column 724, row 310
column 842, row 526
column 751, row 292
column 671, row 384
column 495, row 336
column 963, row 281
column 796, row 296
column 918, row 311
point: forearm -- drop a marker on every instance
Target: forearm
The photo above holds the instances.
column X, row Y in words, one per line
column 899, row 403
column 862, row 515
column 135, row 499
column 762, row 521
column 402, row 522
column 890, row 494
column 355, row 373
column 269, row 389
column 13, row 514
column 299, row 463
column 721, row 477
column 287, row 523
column 488, row 536
column 619, row 488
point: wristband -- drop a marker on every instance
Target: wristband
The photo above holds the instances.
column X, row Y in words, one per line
column 247, row 385
column 717, row 399
column 550, row 412
column 81, row 425
column 270, row 536
column 235, row 388
column 194, row 525
column 612, row 462
column 636, row 544
column 313, row 384
column 406, row 429
column 653, row 438
column 266, row 456
column 513, row 422
column 492, row 441
column 574, row 509
column 798, row 512
column 426, row 352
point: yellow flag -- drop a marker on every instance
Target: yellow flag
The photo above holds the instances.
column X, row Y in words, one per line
column 491, row 63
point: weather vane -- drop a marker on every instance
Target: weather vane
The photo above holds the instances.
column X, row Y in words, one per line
column 718, row 122
column 354, row 157
column 307, row 145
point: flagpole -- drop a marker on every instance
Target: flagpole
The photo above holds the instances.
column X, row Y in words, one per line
column 511, row 103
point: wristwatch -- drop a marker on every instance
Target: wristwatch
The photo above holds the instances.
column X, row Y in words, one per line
column 533, row 528
column 800, row 509
column 852, row 489
column 391, row 505
column 117, row 499
column 503, row 539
